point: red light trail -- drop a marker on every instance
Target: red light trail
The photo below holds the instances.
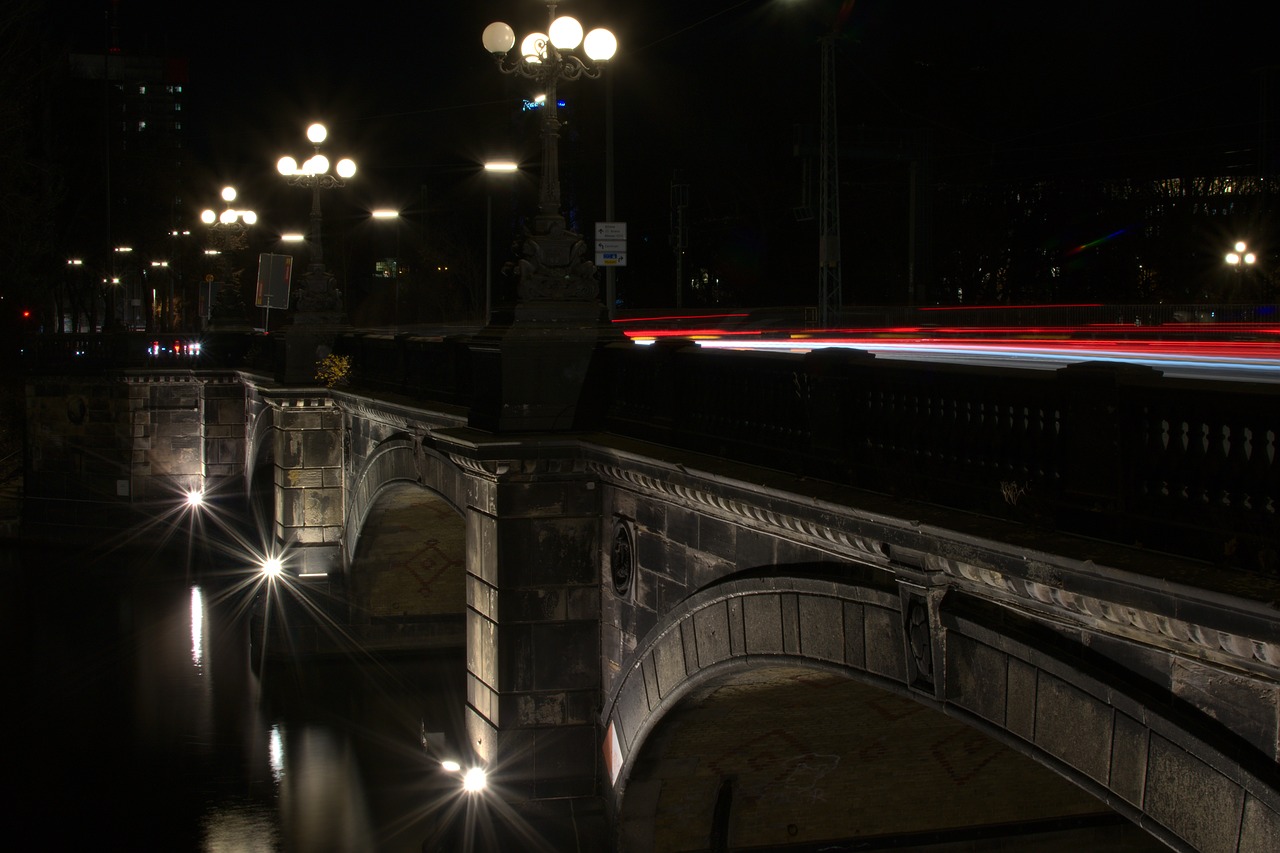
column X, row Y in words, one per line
column 1222, row 350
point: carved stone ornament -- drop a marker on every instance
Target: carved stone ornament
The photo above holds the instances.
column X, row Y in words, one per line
column 622, row 559
column 556, row 266
column 918, row 640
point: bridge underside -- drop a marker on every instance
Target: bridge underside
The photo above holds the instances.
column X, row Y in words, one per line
column 776, row 757
column 405, row 584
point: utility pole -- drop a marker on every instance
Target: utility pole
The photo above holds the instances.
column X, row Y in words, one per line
column 679, row 232
column 830, row 298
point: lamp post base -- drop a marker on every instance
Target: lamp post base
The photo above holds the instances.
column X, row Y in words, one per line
column 556, row 264
column 319, row 302
column 227, row 314
column 531, row 367
column 319, row 318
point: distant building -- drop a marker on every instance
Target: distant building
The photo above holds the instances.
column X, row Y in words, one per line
column 121, row 140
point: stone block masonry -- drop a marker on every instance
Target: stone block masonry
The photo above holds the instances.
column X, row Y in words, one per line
column 309, row 481
column 133, row 437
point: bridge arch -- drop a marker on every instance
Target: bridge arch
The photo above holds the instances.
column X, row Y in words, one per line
column 404, row 546
column 260, row 467
column 399, row 458
column 1173, row 772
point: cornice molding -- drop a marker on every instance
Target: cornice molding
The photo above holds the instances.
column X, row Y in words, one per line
column 755, row 514
column 486, row 469
column 1142, row 625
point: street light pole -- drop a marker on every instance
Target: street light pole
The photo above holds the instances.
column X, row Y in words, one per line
column 532, row 361
column 610, row 272
column 384, row 214
column 175, row 260
column 319, row 302
column 555, row 266
column 115, row 287
column 226, row 306
column 1239, row 258
column 492, row 167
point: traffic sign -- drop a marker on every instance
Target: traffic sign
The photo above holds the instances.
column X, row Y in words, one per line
column 611, row 231
column 611, row 244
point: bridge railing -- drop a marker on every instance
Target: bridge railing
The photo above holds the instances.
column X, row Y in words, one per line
column 1116, row 452
column 419, row 367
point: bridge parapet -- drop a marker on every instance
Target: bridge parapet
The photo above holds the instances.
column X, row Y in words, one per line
column 130, row 438
column 1117, row 452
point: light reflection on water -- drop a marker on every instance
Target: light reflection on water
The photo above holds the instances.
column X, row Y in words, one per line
column 239, row 827
column 140, row 723
column 197, row 627
column 277, row 752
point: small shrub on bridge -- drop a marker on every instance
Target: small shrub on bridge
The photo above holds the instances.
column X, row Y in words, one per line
column 334, row 370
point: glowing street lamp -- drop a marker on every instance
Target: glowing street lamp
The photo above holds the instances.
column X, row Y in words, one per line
column 554, row 267
column 319, row 297
column 1241, row 257
column 229, row 216
column 227, row 230
column 475, row 780
column 314, row 174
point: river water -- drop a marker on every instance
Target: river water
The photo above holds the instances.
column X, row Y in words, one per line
column 134, row 719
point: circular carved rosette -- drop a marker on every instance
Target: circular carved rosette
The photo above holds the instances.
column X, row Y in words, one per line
column 622, row 559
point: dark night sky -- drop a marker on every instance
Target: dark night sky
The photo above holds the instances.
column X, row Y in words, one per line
column 408, row 81
column 714, row 88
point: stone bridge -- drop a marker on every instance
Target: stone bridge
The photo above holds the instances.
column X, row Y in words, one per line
column 777, row 602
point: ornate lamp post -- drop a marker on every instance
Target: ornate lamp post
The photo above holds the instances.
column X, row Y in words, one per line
column 1240, row 256
column 531, row 362
column 319, row 301
column 555, row 265
column 1239, row 259
column 227, row 231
